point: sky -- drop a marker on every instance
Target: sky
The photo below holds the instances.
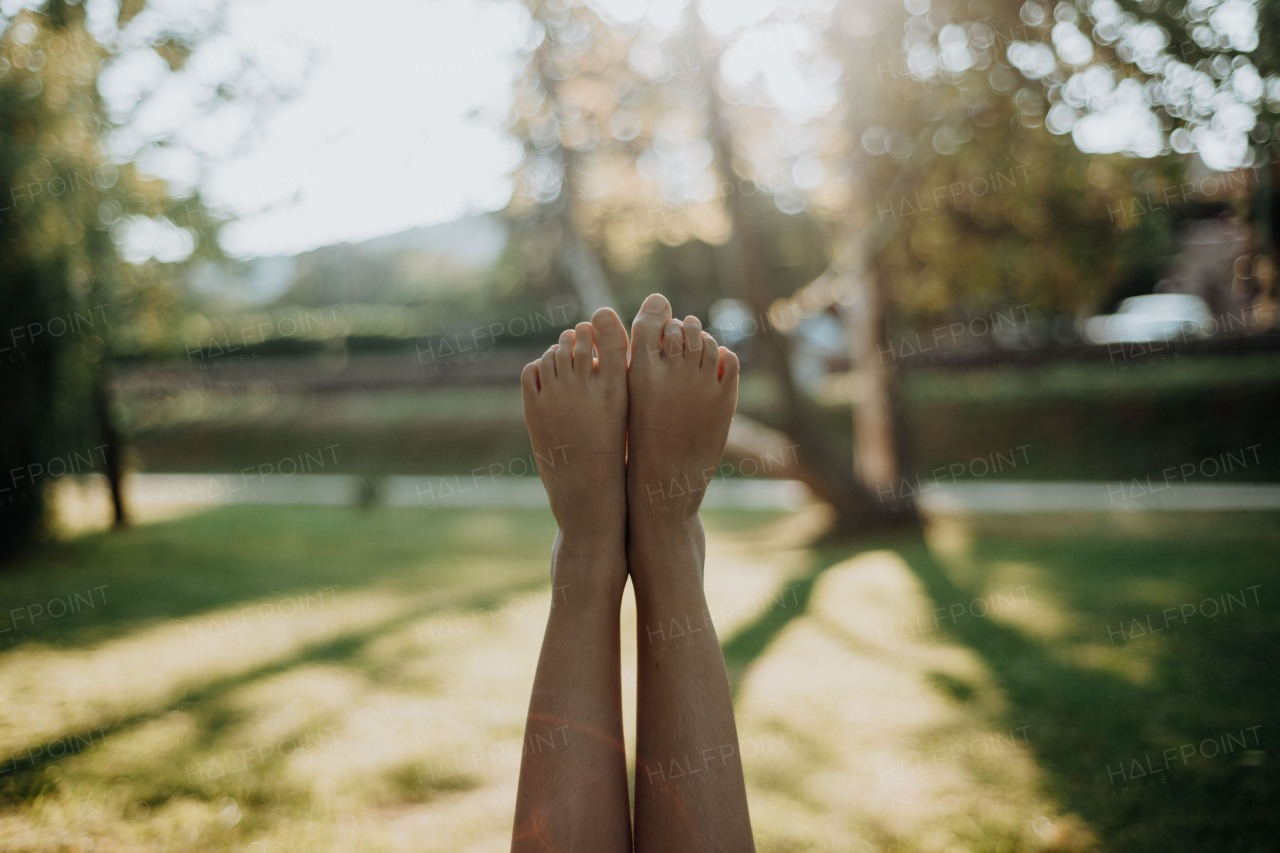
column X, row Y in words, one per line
column 398, row 106
column 397, row 121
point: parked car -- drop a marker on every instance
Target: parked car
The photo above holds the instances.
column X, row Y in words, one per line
column 1153, row 317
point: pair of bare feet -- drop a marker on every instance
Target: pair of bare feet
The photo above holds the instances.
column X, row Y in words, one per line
column 629, row 442
column 627, row 435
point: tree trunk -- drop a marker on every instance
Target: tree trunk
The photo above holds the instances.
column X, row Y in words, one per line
column 576, row 259
column 857, row 509
column 112, row 452
column 584, row 270
column 877, row 444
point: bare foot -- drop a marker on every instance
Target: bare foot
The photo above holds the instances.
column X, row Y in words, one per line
column 575, row 408
column 683, row 389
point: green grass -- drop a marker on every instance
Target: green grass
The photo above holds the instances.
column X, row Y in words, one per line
column 1094, row 422
column 1123, row 377
column 1103, row 690
column 338, row 679
column 1090, row 421
column 436, row 431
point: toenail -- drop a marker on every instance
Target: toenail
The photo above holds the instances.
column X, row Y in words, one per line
column 654, row 304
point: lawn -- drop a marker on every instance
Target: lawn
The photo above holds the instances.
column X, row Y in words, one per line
column 257, row 678
column 1072, row 421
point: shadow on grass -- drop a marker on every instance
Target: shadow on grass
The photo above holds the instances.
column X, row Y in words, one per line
column 339, row 650
column 108, row 584
column 1099, row 732
column 753, row 639
column 185, row 567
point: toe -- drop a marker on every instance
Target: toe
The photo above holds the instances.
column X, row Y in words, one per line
column 547, row 366
column 673, row 339
column 564, row 354
column 710, row 353
column 529, row 378
column 611, row 340
column 728, row 368
column 693, row 340
column 582, row 343
column 646, row 331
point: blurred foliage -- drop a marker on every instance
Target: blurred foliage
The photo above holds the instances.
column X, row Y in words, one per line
column 65, row 286
column 970, row 143
column 948, row 126
column 947, row 133
column 939, row 150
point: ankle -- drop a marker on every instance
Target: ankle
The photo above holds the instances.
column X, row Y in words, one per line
column 591, row 519
column 674, row 497
column 665, row 557
column 661, row 596
column 656, row 509
column 589, row 569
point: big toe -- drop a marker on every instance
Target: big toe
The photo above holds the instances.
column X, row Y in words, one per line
column 611, row 340
column 728, row 373
column 646, row 331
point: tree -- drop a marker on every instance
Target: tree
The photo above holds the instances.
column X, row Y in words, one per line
column 940, row 95
column 950, row 147
column 562, row 109
column 66, row 289
column 978, row 91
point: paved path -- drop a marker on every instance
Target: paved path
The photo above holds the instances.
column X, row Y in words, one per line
column 1157, row 496
column 465, row 490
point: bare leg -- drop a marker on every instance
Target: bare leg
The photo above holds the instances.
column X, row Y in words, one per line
column 690, row 793
column 573, row 776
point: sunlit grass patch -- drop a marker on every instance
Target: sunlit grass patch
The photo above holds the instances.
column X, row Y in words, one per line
column 328, row 679
column 275, row 665
column 878, row 748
